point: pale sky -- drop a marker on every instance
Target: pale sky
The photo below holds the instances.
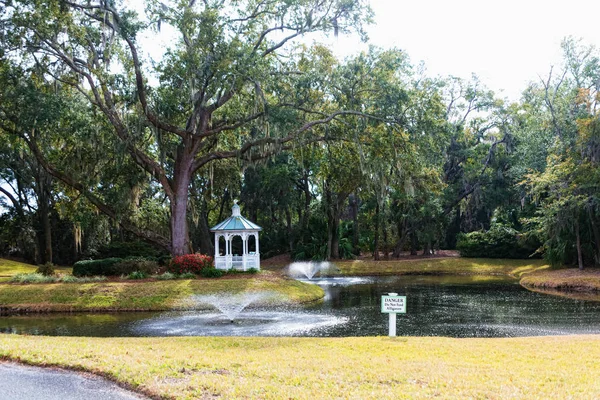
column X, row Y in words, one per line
column 506, row 43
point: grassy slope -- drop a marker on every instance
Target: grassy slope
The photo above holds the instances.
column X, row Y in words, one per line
column 442, row 266
column 165, row 295
column 570, row 279
column 9, row 268
column 325, row 368
column 154, row 295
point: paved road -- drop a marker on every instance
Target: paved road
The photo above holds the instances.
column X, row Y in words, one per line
column 18, row 382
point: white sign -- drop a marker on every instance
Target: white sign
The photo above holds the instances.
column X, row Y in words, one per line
column 393, row 304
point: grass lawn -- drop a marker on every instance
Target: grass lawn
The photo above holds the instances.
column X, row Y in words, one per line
column 138, row 295
column 167, row 295
column 442, row 266
column 328, row 368
column 569, row 279
column 8, row 268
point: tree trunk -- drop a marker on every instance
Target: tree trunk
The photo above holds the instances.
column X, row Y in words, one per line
column 596, row 234
column 386, row 255
column 578, row 239
column 376, row 244
column 179, row 223
column 47, row 226
column 333, row 221
column 43, row 182
column 290, row 231
column 355, row 227
column 427, row 249
column 403, row 233
column 414, row 244
column 307, row 200
column 206, row 244
column 335, row 237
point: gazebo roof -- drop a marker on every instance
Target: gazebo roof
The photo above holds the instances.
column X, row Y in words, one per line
column 236, row 222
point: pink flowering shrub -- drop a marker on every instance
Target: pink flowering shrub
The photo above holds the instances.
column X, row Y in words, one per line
column 193, row 263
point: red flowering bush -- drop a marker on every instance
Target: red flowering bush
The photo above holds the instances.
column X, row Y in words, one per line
column 193, row 263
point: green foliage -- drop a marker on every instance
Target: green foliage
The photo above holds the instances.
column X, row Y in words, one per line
column 166, row 276
column 104, row 267
column 46, row 269
column 137, row 275
column 187, row 275
column 498, row 242
column 252, row 270
column 211, row 273
column 129, row 249
column 33, row 278
column 39, row 278
column 135, row 264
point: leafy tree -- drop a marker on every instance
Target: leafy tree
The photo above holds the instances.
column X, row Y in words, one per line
column 566, row 185
column 215, row 97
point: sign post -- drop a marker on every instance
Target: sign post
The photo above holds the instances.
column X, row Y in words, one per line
column 393, row 304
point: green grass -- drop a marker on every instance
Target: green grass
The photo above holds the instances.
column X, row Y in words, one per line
column 442, row 266
column 564, row 279
column 9, row 268
column 152, row 295
column 328, row 368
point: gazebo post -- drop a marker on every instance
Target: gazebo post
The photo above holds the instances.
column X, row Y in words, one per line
column 244, row 250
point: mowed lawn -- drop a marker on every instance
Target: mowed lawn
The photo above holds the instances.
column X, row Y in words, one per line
column 9, row 268
column 328, row 368
column 441, row 266
column 132, row 295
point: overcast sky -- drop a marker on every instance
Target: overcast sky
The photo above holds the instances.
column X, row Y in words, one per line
column 506, row 43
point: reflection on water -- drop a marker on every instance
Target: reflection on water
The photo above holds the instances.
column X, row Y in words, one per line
column 458, row 306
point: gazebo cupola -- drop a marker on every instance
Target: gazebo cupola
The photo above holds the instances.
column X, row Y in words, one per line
column 236, row 226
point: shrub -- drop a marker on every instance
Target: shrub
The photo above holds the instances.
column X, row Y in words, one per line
column 167, row 276
column 499, row 242
column 129, row 249
column 133, row 264
column 70, row 279
column 253, row 270
column 187, row 275
column 33, row 278
column 105, row 267
column 137, row 275
column 164, row 260
column 193, row 263
column 211, row 273
column 39, row 278
column 46, row 269
column 74, row 279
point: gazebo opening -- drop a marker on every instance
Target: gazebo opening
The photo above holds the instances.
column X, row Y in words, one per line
column 251, row 245
column 236, row 242
column 237, row 246
column 221, row 247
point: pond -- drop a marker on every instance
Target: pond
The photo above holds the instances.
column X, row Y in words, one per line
column 436, row 306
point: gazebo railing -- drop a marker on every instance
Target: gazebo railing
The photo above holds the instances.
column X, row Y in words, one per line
column 242, row 263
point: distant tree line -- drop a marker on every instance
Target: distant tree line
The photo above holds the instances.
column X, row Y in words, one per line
column 103, row 151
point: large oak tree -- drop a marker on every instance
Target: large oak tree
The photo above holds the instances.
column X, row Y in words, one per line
column 214, row 95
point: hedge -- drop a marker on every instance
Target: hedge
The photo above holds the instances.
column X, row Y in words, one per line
column 105, row 266
column 498, row 242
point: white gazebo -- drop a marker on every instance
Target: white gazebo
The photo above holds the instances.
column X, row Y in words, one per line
column 236, row 225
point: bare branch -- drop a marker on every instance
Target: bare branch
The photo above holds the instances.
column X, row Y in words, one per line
column 246, row 147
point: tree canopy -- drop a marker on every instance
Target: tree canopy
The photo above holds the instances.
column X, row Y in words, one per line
column 102, row 144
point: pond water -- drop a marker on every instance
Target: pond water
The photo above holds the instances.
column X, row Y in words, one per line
column 436, row 306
